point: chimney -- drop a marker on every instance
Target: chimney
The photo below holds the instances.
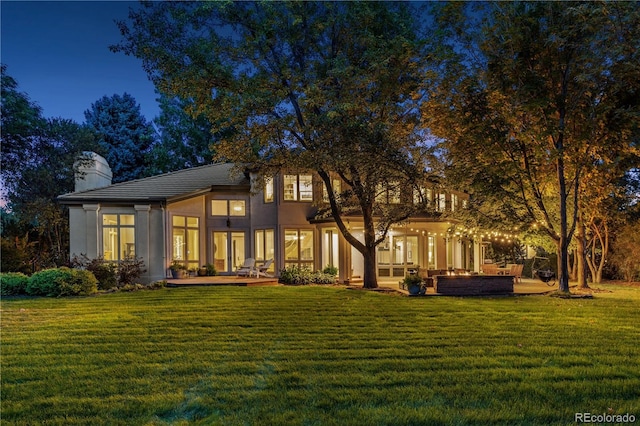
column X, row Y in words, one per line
column 91, row 172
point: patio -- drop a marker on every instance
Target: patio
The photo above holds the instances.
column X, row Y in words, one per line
column 222, row 280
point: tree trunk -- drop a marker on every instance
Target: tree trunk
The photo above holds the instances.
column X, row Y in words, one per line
column 370, row 279
column 581, row 256
column 573, row 265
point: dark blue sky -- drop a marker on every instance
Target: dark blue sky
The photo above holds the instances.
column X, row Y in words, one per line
column 58, row 51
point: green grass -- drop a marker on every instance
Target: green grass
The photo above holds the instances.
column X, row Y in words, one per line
column 317, row 355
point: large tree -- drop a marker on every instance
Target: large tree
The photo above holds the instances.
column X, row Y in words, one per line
column 331, row 87
column 124, row 135
column 537, row 96
column 183, row 141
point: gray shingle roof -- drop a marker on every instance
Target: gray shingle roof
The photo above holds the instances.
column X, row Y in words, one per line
column 165, row 187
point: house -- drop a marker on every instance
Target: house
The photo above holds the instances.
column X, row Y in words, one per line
column 210, row 214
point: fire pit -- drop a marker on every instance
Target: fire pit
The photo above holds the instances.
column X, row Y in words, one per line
column 546, row 275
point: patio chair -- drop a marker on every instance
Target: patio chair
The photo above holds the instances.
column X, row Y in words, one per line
column 262, row 270
column 490, row 269
column 516, row 271
column 247, row 268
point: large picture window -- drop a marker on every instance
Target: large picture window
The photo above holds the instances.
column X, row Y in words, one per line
column 118, row 236
column 299, row 248
column 186, row 241
column 298, row 187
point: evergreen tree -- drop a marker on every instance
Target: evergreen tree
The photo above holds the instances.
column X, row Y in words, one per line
column 184, row 141
column 123, row 134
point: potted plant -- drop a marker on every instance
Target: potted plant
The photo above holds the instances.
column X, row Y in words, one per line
column 202, row 271
column 178, row 270
column 210, row 270
column 414, row 285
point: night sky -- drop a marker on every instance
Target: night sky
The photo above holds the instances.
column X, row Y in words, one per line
column 58, row 52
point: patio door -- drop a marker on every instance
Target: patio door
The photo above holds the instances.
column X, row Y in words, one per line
column 396, row 255
column 330, row 248
column 228, row 250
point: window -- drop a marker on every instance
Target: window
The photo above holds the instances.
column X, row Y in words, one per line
column 228, row 208
column 454, row 202
column 422, row 195
column 264, row 246
column 268, row 190
column 441, row 202
column 186, row 241
column 336, row 184
column 388, row 193
column 298, row 248
column 298, row 187
column 118, row 236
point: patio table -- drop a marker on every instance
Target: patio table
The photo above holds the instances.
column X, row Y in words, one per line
column 504, row 271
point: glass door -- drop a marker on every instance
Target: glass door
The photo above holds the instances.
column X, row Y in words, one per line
column 228, row 250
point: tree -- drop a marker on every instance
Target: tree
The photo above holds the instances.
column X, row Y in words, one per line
column 123, row 135
column 533, row 101
column 38, row 157
column 21, row 122
column 184, row 141
column 330, row 87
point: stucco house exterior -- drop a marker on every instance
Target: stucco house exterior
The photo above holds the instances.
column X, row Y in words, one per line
column 210, row 214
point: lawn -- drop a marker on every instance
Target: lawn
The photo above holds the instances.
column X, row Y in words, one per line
column 318, row 355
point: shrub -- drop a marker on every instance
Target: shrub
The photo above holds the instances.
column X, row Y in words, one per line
column 13, row 284
column 330, row 270
column 104, row 271
column 302, row 276
column 62, row 282
column 129, row 270
column 211, row 270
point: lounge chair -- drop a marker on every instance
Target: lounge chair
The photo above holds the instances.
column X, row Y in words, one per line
column 247, row 268
column 262, row 270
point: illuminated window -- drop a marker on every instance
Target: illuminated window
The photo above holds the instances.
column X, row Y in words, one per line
column 336, row 186
column 298, row 187
column 228, row 208
column 299, row 248
column 265, row 246
column 268, row 190
column 186, row 241
column 118, row 236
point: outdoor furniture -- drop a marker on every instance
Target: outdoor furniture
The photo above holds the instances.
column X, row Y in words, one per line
column 262, row 270
column 490, row 269
column 473, row 285
column 247, row 268
column 516, row 271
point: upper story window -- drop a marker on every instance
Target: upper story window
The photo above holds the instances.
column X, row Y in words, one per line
column 454, row 202
column 389, row 193
column 337, row 189
column 298, row 187
column 268, row 190
column 228, row 208
column 441, row 201
column 118, row 236
column 422, row 195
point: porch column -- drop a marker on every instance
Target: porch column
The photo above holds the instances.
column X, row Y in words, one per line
column 477, row 255
column 142, row 236
column 92, row 230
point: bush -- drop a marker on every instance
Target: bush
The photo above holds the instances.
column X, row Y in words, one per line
column 104, row 271
column 302, row 276
column 129, row 270
column 330, row 270
column 13, row 284
column 62, row 282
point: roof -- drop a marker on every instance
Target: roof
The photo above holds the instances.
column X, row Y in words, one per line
column 165, row 187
